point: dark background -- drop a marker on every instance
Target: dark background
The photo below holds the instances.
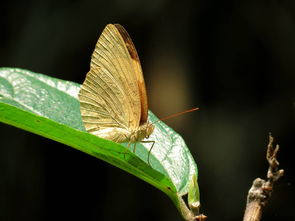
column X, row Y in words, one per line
column 233, row 59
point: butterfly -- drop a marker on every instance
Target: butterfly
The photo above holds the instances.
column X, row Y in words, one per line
column 113, row 98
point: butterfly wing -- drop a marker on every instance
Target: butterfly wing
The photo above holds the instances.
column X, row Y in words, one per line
column 110, row 97
column 139, row 76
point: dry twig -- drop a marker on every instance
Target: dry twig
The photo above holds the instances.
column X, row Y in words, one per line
column 261, row 190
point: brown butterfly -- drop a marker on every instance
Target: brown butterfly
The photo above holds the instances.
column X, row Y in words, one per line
column 113, row 99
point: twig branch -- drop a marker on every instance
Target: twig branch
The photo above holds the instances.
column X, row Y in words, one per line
column 261, row 190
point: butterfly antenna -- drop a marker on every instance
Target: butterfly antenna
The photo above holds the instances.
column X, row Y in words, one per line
column 177, row 114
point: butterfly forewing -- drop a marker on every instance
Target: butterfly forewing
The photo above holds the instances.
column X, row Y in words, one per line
column 113, row 95
column 139, row 76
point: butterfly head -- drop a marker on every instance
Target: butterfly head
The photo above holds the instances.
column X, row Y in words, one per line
column 149, row 128
column 142, row 132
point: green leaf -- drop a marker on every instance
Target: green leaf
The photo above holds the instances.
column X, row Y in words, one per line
column 50, row 107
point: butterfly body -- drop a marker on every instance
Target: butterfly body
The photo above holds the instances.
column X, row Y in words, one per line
column 123, row 135
column 113, row 99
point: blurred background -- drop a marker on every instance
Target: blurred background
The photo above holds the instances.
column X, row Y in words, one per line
column 233, row 59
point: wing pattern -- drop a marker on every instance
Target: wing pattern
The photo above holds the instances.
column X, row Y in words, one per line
column 111, row 95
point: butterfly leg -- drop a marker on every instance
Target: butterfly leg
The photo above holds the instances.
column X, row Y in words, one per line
column 150, row 141
column 134, row 148
column 126, row 151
